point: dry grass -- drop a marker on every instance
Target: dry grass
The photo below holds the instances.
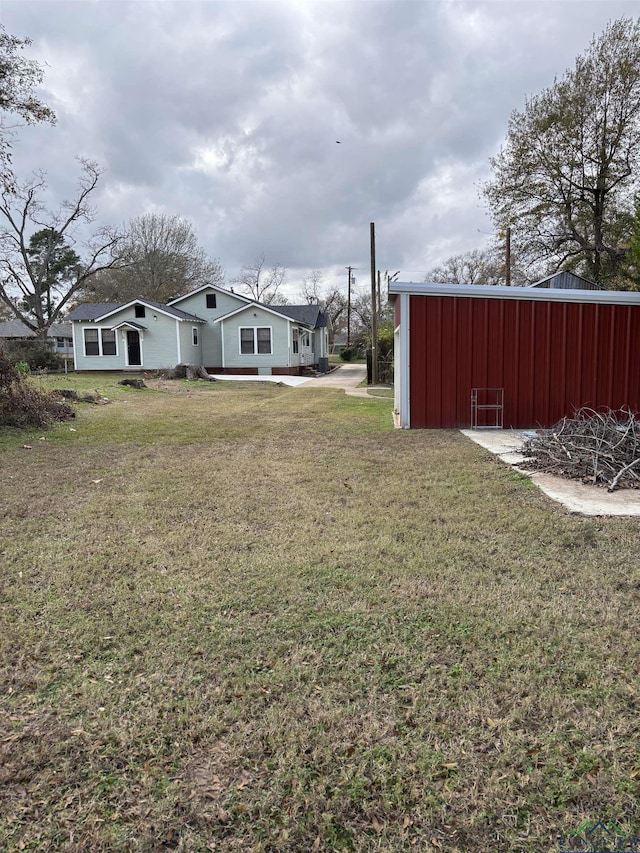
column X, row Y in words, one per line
column 254, row 618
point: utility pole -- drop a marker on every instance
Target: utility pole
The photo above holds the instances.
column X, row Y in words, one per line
column 349, row 282
column 374, row 318
column 507, row 261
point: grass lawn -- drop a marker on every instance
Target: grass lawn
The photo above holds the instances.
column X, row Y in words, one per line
column 244, row 617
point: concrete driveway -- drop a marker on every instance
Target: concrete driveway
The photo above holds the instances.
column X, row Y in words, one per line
column 346, row 377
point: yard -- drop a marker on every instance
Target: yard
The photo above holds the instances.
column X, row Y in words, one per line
column 245, row 617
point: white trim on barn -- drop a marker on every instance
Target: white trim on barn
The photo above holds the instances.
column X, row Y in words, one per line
column 405, row 331
column 530, row 294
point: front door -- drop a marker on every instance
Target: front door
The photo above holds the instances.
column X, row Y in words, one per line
column 133, row 348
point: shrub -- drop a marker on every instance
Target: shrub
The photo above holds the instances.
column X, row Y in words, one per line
column 22, row 405
column 347, row 354
column 37, row 354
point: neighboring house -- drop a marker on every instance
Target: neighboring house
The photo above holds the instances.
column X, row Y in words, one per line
column 59, row 336
column 566, row 280
column 216, row 328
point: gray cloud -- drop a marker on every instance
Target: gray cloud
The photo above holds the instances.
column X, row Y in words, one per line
column 228, row 113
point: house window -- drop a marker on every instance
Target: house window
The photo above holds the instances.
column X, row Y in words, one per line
column 255, row 340
column 295, row 340
column 99, row 342
column 108, row 342
column 194, row 336
column 211, row 300
column 91, row 343
column 264, row 341
column 139, row 311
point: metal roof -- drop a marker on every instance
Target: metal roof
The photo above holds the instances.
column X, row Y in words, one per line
column 532, row 294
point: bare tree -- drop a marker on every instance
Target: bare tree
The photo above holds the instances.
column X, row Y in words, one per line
column 261, row 283
column 331, row 300
column 161, row 259
column 24, row 275
column 18, row 79
column 479, row 266
column 311, row 287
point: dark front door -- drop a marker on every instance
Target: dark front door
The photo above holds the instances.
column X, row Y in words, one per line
column 133, row 348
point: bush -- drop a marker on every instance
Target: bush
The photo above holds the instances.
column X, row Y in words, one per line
column 22, row 405
column 347, row 354
column 37, row 354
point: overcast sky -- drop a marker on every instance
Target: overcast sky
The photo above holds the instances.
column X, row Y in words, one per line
column 284, row 129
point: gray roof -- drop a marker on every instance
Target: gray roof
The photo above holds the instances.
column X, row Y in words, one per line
column 17, row 329
column 203, row 287
column 565, row 279
column 96, row 310
column 92, row 310
column 310, row 315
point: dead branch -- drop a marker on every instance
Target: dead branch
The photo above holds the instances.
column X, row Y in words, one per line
column 600, row 447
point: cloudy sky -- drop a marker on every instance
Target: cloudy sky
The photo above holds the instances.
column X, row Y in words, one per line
column 284, row 128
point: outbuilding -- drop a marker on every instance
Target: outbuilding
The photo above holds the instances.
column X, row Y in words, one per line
column 495, row 356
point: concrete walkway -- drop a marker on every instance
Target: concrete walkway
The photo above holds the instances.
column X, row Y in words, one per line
column 573, row 495
column 346, row 377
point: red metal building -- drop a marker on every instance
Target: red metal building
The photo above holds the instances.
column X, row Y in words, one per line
column 527, row 356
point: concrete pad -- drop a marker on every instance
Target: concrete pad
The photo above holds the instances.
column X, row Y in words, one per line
column 573, row 495
column 294, row 381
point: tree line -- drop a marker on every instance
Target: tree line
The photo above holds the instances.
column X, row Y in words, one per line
column 565, row 185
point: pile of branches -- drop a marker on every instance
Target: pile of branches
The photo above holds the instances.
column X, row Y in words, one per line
column 596, row 447
column 22, row 405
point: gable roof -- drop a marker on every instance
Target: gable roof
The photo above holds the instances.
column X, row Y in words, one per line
column 310, row 315
column 209, row 287
column 306, row 315
column 91, row 311
column 565, row 279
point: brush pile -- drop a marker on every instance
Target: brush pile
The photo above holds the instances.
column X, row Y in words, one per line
column 596, row 447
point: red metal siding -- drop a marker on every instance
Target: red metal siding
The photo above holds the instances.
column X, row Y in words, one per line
column 550, row 358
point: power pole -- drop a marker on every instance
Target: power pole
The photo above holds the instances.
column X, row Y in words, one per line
column 349, row 306
column 374, row 318
column 507, row 261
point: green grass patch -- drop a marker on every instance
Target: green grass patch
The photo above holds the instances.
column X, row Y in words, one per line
column 240, row 616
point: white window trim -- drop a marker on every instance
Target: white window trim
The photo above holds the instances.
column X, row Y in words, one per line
column 255, row 341
column 99, row 330
column 195, row 339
